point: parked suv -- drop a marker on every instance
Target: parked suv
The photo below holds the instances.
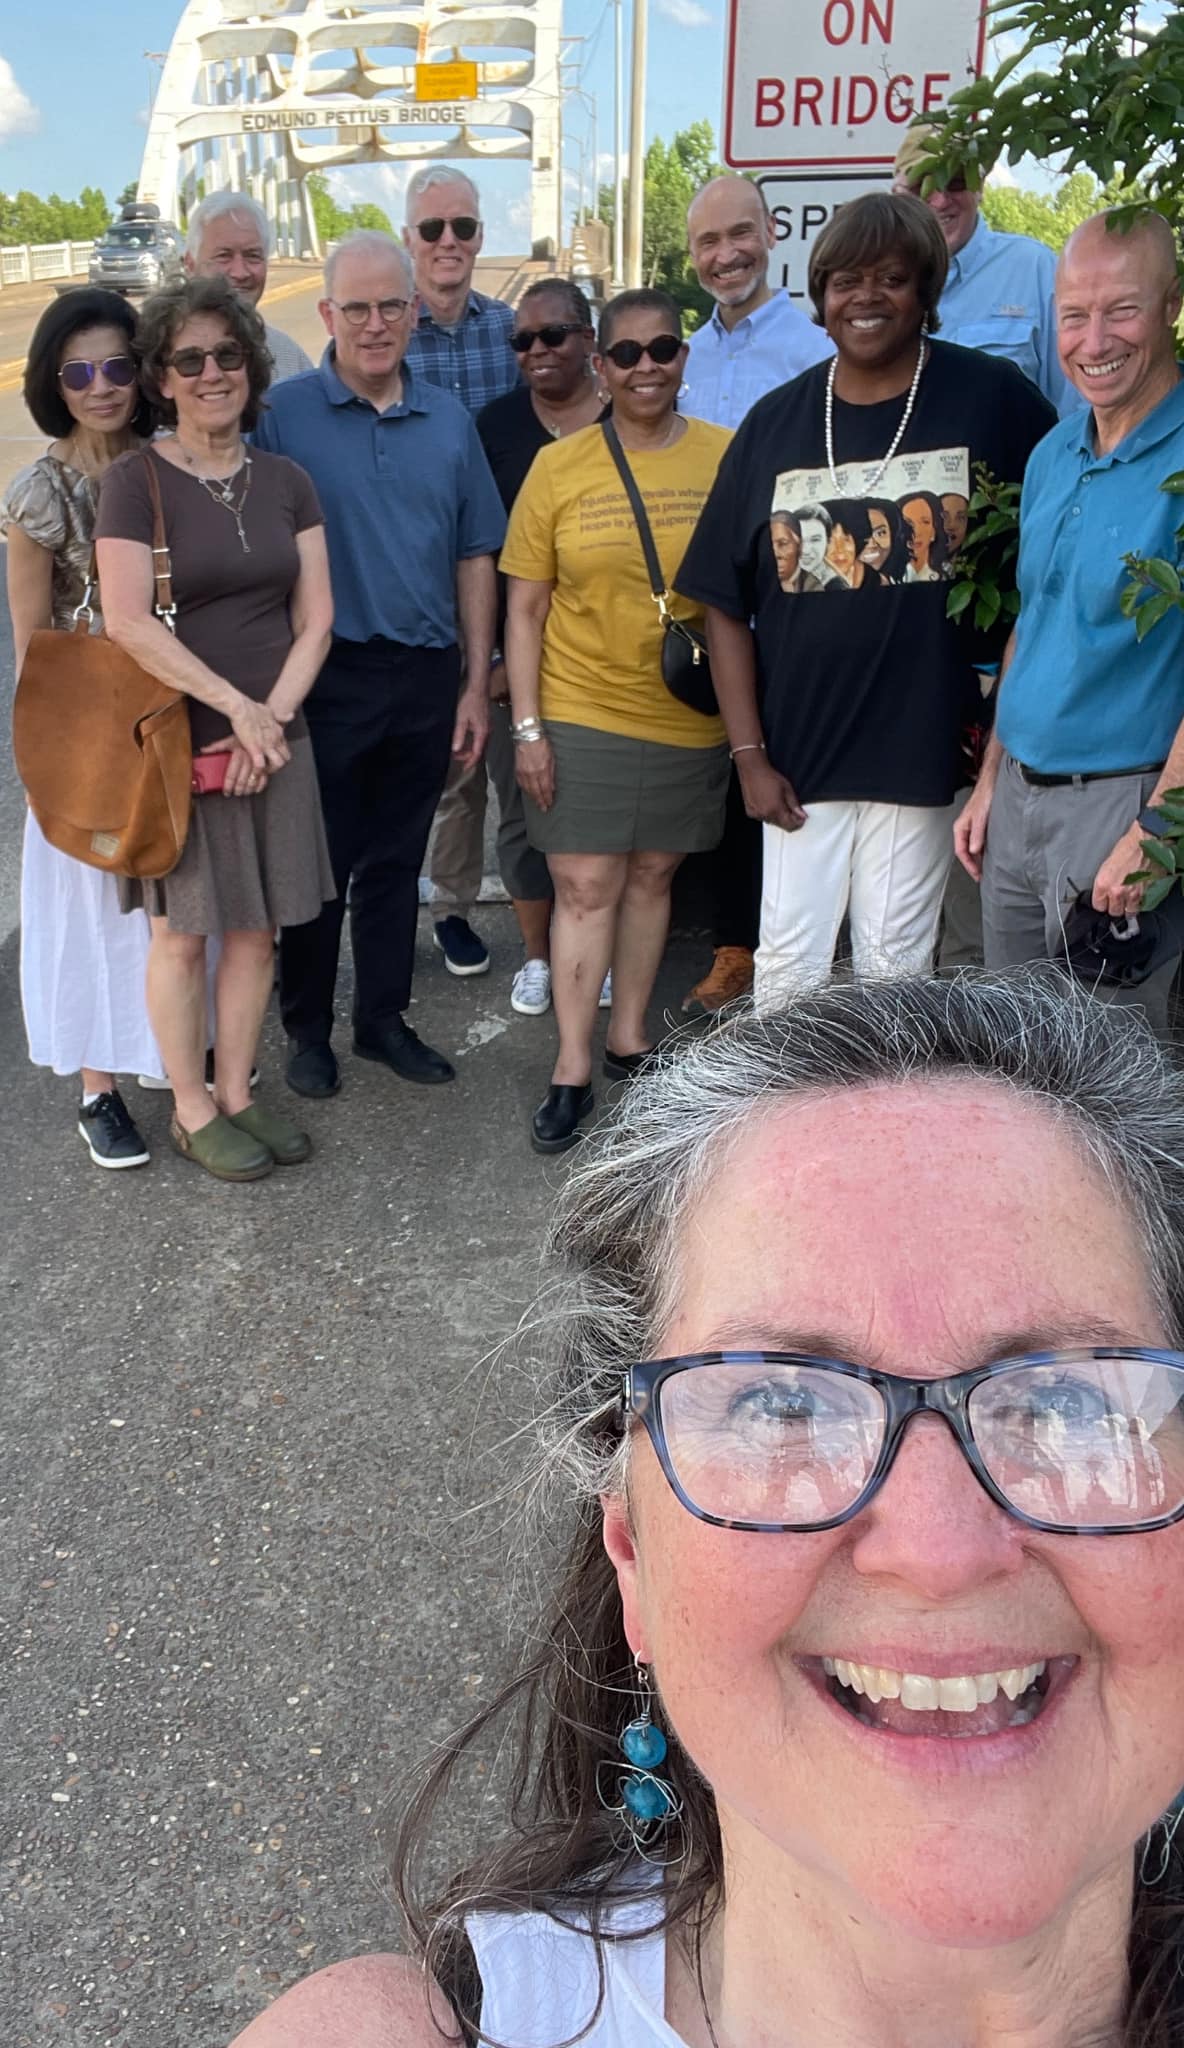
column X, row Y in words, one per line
column 138, row 253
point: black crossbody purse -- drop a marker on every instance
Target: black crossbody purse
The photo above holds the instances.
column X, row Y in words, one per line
column 686, row 669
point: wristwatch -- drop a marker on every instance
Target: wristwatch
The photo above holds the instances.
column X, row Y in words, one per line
column 1153, row 823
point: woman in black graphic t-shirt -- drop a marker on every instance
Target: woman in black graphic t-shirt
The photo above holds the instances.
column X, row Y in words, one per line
column 845, row 718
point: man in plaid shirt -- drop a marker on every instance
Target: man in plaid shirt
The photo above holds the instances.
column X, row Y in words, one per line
column 462, row 343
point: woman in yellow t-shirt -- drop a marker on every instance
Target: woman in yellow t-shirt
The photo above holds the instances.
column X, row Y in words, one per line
column 620, row 780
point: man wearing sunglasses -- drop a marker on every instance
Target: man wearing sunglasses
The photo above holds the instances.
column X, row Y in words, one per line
column 998, row 296
column 229, row 236
column 461, row 342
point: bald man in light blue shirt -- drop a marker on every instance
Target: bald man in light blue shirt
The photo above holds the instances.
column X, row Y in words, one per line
column 756, row 337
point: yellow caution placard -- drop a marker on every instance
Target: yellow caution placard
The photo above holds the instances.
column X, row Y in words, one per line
column 446, row 81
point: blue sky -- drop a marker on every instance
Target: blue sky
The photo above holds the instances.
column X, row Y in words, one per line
column 74, row 88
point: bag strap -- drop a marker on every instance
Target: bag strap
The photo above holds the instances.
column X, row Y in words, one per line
column 653, row 565
column 165, row 606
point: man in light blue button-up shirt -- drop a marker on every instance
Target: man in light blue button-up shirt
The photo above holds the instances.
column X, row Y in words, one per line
column 998, row 295
column 1090, row 727
column 755, row 340
column 756, row 337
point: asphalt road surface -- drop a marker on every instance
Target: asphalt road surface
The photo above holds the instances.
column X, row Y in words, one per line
column 253, row 1505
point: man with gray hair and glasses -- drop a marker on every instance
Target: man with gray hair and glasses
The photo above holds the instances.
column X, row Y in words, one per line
column 413, row 520
column 461, row 341
column 230, row 235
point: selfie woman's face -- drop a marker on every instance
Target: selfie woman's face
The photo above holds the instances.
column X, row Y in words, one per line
column 848, row 1225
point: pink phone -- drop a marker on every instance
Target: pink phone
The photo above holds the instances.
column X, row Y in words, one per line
column 209, row 773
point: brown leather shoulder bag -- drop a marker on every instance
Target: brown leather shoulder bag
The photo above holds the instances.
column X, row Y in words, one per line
column 103, row 748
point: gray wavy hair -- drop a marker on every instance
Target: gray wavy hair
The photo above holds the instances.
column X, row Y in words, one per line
column 617, row 1235
column 216, row 207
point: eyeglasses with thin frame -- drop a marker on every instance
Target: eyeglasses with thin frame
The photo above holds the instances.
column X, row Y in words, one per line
column 78, row 375
column 1086, row 1442
column 464, row 227
column 190, row 362
column 356, row 312
column 627, row 354
column 552, row 336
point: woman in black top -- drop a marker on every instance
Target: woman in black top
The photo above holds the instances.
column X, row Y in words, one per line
column 845, row 719
column 553, row 337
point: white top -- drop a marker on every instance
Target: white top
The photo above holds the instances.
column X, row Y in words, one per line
column 288, row 356
column 727, row 372
column 540, row 1982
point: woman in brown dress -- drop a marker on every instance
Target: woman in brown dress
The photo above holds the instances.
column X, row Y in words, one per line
column 251, row 585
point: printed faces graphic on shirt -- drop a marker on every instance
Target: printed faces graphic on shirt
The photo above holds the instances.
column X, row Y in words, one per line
column 907, row 528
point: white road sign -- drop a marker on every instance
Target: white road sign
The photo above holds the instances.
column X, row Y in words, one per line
column 801, row 208
column 817, row 84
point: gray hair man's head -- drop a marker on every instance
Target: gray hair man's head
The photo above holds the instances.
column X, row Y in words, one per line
column 217, row 207
column 432, row 175
column 368, row 242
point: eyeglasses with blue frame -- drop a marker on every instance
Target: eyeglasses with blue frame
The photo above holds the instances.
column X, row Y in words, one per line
column 1082, row 1442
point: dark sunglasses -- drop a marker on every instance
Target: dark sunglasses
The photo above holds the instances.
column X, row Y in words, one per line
column 551, row 337
column 1085, row 1443
column 190, row 362
column 627, row 354
column 79, row 375
column 464, row 227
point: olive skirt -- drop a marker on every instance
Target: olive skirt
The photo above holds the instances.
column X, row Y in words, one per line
column 620, row 795
column 250, row 863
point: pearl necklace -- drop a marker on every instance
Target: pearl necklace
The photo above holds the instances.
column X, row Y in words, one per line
column 873, row 483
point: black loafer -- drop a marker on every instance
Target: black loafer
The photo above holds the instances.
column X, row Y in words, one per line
column 398, row 1047
column 625, row 1066
column 554, row 1127
column 312, row 1069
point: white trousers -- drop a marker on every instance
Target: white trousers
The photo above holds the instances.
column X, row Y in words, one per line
column 883, row 865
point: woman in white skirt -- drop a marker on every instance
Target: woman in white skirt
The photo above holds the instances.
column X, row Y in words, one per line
column 82, row 963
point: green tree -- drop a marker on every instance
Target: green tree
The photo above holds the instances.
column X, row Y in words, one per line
column 24, row 217
column 674, row 172
column 128, row 193
column 334, row 221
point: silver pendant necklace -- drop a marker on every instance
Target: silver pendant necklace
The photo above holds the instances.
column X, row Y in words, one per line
column 221, row 489
column 874, row 482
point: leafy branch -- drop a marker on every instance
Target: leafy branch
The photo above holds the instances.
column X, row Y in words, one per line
column 1164, row 856
column 1155, row 587
column 985, row 563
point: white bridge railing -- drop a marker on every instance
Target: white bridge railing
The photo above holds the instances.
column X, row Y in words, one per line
column 30, row 262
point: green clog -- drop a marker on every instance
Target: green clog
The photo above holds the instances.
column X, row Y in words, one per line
column 221, row 1149
column 287, row 1145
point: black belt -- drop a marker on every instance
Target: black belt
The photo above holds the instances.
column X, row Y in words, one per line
column 1036, row 780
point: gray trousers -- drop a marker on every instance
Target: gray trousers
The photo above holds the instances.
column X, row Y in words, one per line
column 1043, row 847
column 456, row 853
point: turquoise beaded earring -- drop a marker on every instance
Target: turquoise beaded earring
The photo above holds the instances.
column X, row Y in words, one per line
column 643, row 1801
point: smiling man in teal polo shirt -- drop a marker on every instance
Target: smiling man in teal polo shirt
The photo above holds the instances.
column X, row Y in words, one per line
column 1090, row 726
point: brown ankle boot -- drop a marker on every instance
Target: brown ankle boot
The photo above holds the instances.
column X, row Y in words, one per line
column 729, row 977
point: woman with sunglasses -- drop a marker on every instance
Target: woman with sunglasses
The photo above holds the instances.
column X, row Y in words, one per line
column 554, row 337
column 856, row 1711
column 620, row 779
column 82, row 964
column 253, row 612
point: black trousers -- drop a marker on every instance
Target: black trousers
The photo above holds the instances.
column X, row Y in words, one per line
column 736, row 874
column 381, row 718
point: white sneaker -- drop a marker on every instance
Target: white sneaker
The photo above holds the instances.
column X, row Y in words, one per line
column 530, row 991
column 152, row 1081
column 606, row 992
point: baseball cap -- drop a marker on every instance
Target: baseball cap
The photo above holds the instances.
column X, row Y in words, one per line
column 919, row 145
column 1122, row 952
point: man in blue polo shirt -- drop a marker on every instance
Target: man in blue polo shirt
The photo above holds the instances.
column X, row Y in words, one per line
column 1090, row 725
column 413, row 520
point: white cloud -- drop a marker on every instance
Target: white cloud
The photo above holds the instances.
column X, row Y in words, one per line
column 18, row 115
column 685, row 13
column 372, row 184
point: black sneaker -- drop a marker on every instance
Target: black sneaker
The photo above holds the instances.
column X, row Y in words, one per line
column 464, row 952
column 109, row 1134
